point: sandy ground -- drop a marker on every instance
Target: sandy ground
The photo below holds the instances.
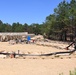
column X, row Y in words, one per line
column 34, row 66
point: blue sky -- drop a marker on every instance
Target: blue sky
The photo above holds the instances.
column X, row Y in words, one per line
column 26, row 11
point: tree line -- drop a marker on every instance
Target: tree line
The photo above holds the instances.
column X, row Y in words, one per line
column 61, row 25
column 62, row 22
column 17, row 27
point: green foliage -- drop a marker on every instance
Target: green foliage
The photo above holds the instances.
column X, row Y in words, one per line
column 17, row 27
column 63, row 21
column 70, row 73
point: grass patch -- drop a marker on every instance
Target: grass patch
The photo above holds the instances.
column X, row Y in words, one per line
column 70, row 72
